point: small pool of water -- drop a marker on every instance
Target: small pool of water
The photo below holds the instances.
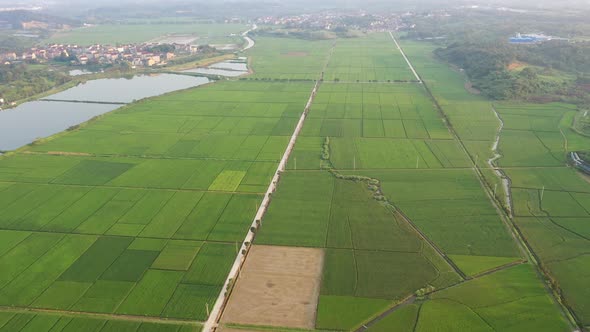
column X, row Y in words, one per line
column 79, row 72
column 225, row 68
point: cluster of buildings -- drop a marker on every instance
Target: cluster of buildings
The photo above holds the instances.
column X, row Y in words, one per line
column 529, row 38
column 146, row 54
column 532, row 38
column 333, row 20
column 5, row 103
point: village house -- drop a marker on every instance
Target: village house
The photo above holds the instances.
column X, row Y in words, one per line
column 11, row 56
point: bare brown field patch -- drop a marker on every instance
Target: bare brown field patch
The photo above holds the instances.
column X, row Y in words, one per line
column 278, row 286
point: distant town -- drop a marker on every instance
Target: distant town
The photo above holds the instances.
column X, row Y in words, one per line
column 137, row 55
column 354, row 20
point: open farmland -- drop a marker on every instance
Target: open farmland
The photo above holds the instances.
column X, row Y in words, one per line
column 49, row 322
column 548, row 199
column 477, row 305
column 551, row 201
column 372, row 58
column 381, row 218
column 367, row 265
column 140, row 212
column 380, row 184
column 376, row 126
column 287, row 58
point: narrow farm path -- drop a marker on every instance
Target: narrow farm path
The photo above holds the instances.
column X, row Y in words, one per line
column 132, row 318
column 401, row 215
column 405, row 302
column 405, row 57
column 249, row 40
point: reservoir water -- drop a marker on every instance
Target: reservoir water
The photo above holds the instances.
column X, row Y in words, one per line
column 32, row 120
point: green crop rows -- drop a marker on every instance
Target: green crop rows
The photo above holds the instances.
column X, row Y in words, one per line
column 287, row 58
column 31, row 322
column 373, row 58
column 139, row 212
column 399, row 174
column 549, row 199
column 477, row 305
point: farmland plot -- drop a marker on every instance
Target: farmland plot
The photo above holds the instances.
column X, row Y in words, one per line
column 372, row 258
column 509, row 300
column 140, row 212
column 48, row 322
column 288, row 58
column 394, row 135
column 532, row 147
column 550, row 199
column 373, row 58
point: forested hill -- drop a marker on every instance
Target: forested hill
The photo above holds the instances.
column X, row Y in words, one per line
column 488, row 66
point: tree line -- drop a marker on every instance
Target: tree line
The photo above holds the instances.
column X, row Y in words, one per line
column 19, row 82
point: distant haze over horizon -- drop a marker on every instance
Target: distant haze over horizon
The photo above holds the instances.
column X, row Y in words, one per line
column 513, row 3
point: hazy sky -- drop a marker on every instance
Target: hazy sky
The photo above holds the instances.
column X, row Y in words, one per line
column 360, row 3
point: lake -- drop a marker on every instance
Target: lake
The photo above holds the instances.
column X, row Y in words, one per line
column 32, row 120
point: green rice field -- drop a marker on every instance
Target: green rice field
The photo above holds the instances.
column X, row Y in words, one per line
column 367, row 264
column 477, row 305
column 548, row 198
column 551, row 202
column 140, row 212
column 437, row 219
column 370, row 59
column 132, row 221
column 46, row 322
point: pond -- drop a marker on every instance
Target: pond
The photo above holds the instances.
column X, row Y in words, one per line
column 78, row 72
column 225, row 68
